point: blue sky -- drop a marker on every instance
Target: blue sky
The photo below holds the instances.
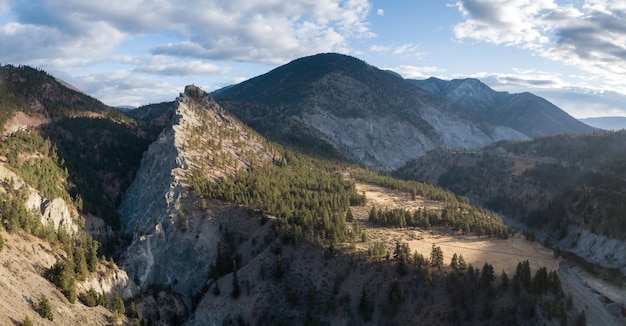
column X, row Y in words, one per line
column 134, row 52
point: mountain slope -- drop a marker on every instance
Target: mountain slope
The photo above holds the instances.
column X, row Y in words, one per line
column 31, row 97
column 98, row 146
column 524, row 112
column 606, row 123
column 567, row 187
column 339, row 104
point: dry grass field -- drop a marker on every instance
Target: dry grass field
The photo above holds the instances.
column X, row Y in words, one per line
column 501, row 253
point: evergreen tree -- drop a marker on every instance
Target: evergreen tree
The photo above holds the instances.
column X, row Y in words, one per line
column 487, row 275
column 504, row 279
column 436, row 257
column 132, row 311
column 462, row 263
column 454, row 262
column 117, row 304
column 44, row 309
column 365, row 307
column 236, row 289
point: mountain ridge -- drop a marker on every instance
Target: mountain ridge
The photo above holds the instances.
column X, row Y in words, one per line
column 525, row 112
column 354, row 109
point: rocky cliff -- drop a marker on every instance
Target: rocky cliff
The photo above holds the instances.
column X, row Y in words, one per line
column 175, row 234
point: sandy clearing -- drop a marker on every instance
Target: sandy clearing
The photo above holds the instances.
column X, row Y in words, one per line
column 503, row 254
column 387, row 198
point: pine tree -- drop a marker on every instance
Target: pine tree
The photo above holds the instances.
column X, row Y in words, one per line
column 365, row 307
column 44, row 309
column 236, row 289
column 117, row 304
column 454, row 262
column 504, row 278
column 462, row 263
column 436, row 257
column 487, row 274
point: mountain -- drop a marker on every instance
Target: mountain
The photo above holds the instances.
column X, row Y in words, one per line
column 61, row 156
column 218, row 225
column 606, row 123
column 570, row 189
column 339, row 104
column 31, row 97
column 525, row 112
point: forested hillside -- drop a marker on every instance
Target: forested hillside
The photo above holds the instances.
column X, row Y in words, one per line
column 570, row 188
column 215, row 224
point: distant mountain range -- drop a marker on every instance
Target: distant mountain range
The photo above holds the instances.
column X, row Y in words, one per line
column 606, row 123
column 339, row 104
column 525, row 112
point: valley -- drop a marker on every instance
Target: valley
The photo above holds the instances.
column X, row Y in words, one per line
column 337, row 195
column 603, row 300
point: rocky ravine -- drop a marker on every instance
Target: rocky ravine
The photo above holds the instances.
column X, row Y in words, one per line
column 175, row 234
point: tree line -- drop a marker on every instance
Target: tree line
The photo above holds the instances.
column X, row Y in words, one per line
column 463, row 218
column 307, row 195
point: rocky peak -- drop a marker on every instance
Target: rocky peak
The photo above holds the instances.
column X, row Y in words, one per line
column 174, row 237
column 197, row 94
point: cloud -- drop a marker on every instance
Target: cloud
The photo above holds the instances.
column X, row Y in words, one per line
column 241, row 30
column 380, row 12
column 414, row 72
column 165, row 66
column 591, row 37
column 407, row 49
column 125, row 87
column 379, row 48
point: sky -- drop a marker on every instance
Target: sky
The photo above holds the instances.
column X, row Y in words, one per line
column 136, row 52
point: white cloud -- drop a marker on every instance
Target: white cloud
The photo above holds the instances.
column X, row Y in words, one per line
column 414, row 72
column 166, row 66
column 405, row 50
column 591, row 37
column 243, row 30
column 379, row 48
column 124, row 87
column 380, row 12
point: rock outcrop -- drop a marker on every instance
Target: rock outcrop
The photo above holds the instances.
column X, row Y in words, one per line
column 55, row 211
column 595, row 248
column 175, row 233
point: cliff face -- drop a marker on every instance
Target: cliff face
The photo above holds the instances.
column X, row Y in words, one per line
column 175, row 233
column 596, row 248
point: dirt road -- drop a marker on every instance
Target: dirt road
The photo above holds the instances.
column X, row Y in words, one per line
column 586, row 298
